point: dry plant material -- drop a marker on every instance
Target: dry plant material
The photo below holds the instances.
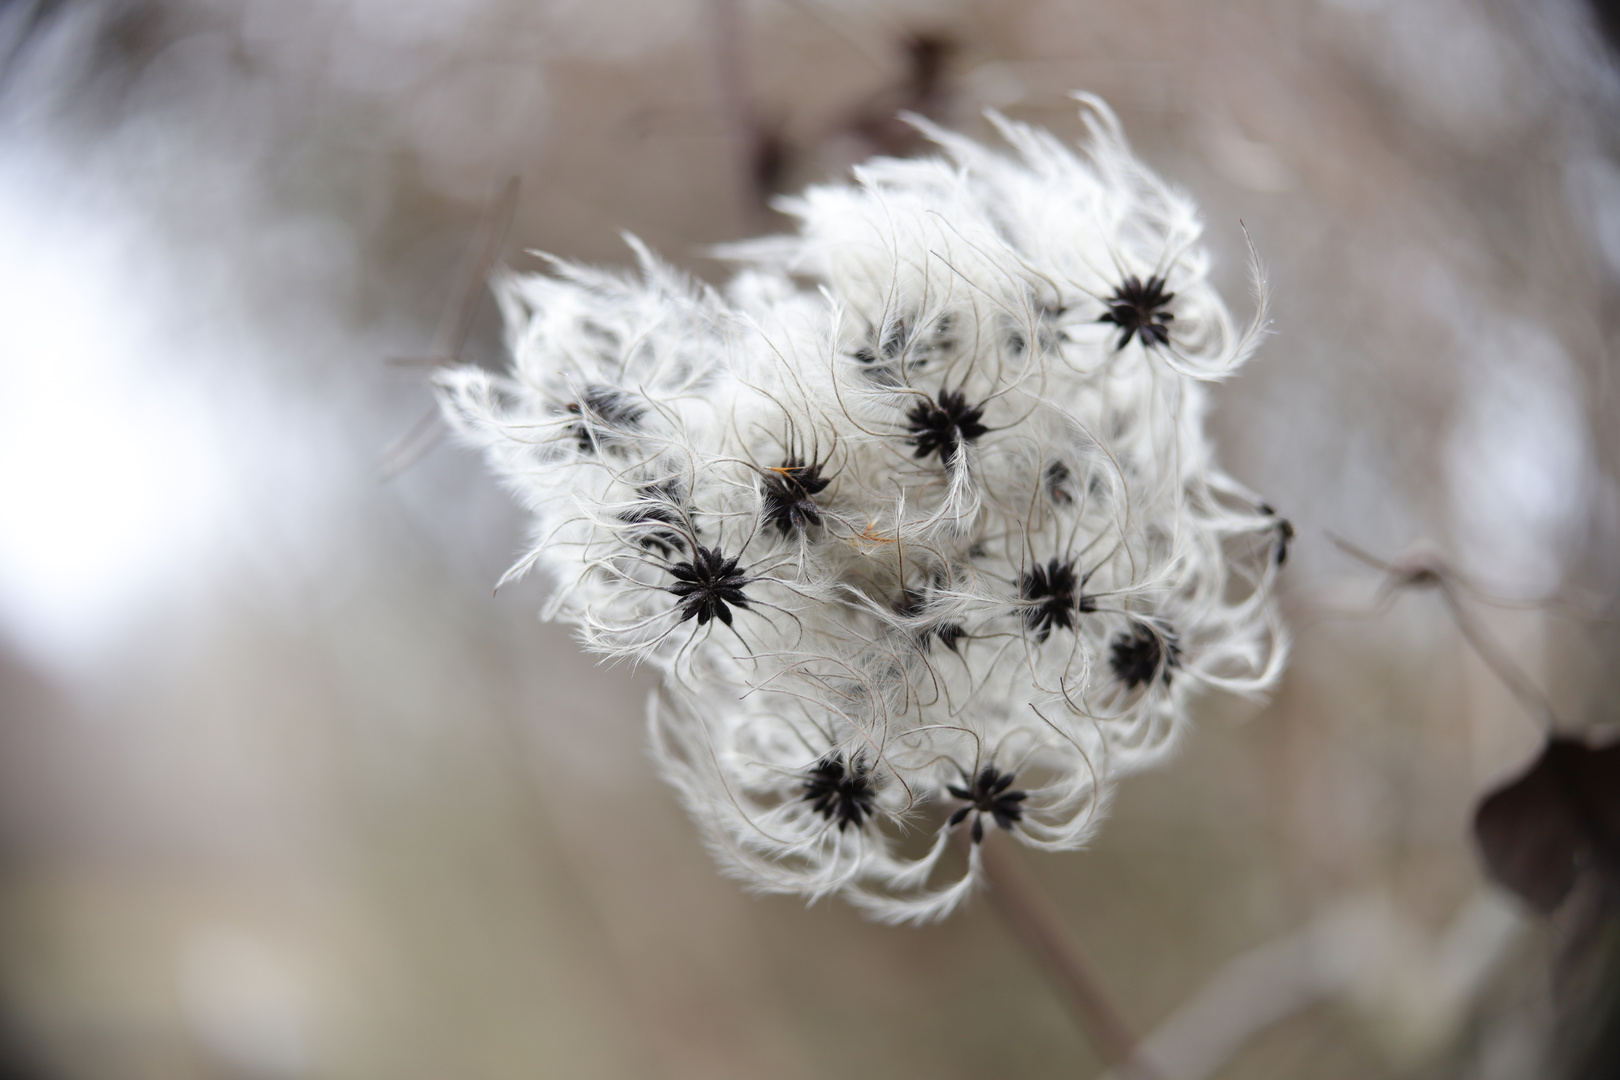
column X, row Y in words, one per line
column 962, row 406
column 1557, row 822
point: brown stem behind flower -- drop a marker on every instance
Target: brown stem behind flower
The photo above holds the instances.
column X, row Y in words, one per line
column 1035, row 922
column 455, row 324
column 1422, row 568
column 735, row 99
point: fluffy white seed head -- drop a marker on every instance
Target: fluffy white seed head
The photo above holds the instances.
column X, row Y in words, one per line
column 916, row 518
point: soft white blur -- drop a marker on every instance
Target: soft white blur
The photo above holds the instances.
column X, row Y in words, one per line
column 112, row 478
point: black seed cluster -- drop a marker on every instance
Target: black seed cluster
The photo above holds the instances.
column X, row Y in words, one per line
column 600, row 412
column 893, row 342
column 948, row 634
column 942, row 426
column 987, row 794
column 708, row 585
column 841, row 791
column 657, row 520
column 913, row 606
column 788, row 500
column 1053, row 598
column 1137, row 308
column 899, row 341
column 1058, row 479
column 1285, row 533
column 1139, row 655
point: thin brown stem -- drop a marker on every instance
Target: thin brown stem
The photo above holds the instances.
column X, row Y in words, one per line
column 1426, row 568
column 1035, row 922
column 1496, row 658
column 455, row 324
column 736, row 107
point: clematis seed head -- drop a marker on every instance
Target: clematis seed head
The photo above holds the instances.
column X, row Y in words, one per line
column 960, row 405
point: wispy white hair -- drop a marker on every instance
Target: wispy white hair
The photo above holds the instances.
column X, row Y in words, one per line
column 916, row 518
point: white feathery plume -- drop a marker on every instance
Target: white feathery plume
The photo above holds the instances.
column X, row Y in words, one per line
column 916, row 518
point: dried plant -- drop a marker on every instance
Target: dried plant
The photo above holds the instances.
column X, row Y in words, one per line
column 916, row 517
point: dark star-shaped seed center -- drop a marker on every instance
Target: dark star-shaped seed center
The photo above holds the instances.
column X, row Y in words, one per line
column 1138, row 656
column 942, row 426
column 1053, row 598
column 789, row 497
column 1137, row 308
column 987, row 793
column 708, row 585
column 840, row 791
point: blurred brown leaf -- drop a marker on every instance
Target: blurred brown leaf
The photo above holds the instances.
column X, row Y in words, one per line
column 1560, row 819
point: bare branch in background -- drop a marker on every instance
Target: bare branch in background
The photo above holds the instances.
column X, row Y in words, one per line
column 1035, row 922
column 1425, row 567
column 455, row 324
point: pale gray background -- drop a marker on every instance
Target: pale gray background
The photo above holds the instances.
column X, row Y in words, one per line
column 285, row 791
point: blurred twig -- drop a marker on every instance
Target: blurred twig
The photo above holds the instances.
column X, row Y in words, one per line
column 1035, row 922
column 1360, row 949
column 861, row 43
column 1426, row 567
column 455, row 324
column 744, row 136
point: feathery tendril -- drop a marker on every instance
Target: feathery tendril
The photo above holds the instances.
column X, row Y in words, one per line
column 905, row 639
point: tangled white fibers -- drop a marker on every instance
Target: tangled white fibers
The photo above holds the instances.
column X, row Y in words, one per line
column 916, row 517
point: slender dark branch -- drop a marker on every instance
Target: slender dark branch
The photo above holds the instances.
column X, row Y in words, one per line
column 1424, row 568
column 1035, row 922
column 1496, row 658
column 455, row 324
column 726, row 35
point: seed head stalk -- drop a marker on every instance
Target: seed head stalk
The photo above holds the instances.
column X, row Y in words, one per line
column 1034, row 920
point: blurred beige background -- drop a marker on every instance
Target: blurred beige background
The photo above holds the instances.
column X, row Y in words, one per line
column 286, row 792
